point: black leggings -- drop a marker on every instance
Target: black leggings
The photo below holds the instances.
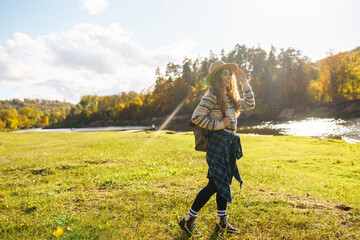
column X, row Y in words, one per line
column 204, row 195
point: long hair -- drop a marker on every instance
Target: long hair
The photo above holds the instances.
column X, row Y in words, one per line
column 220, row 90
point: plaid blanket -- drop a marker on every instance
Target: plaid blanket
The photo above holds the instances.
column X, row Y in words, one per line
column 223, row 150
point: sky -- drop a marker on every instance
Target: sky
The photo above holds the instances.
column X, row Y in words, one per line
column 64, row 49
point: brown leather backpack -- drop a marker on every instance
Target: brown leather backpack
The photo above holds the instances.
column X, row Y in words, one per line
column 201, row 135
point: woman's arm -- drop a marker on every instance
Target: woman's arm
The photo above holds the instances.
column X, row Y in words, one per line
column 201, row 115
column 248, row 102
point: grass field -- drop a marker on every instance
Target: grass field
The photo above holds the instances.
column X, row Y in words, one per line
column 111, row 185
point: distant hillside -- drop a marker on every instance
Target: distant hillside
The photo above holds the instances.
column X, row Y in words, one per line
column 42, row 105
column 17, row 114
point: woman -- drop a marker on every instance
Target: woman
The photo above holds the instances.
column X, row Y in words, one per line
column 218, row 111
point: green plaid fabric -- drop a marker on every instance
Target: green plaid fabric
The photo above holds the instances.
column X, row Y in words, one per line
column 220, row 147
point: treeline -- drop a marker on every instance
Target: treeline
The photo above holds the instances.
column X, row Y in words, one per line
column 280, row 79
column 17, row 114
column 283, row 79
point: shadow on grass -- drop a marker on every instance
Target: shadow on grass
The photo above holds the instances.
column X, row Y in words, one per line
column 214, row 236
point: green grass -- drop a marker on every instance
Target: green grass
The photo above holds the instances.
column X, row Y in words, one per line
column 111, row 185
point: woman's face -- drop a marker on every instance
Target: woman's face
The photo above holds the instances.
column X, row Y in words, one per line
column 225, row 77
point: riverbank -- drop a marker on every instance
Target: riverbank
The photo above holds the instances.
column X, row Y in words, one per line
column 344, row 110
column 98, row 185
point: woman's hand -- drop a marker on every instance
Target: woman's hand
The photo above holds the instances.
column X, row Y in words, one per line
column 226, row 121
column 240, row 75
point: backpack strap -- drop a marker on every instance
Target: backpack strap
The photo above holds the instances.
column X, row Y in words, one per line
column 224, row 115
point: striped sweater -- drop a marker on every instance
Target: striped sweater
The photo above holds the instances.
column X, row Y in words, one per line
column 208, row 113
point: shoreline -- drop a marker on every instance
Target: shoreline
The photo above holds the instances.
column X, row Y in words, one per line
column 346, row 139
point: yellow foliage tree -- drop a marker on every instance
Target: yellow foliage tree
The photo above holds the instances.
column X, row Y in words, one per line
column 44, row 120
column 353, row 73
column 316, row 90
column 2, row 125
column 332, row 76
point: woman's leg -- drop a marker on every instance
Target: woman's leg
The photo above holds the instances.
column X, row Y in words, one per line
column 203, row 196
column 188, row 222
column 221, row 219
column 221, row 204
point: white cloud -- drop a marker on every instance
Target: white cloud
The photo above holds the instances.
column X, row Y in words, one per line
column 94, row 6
column 88, row 59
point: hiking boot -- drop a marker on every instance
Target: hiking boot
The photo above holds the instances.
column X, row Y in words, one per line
column 223, row 225
column 188, row 225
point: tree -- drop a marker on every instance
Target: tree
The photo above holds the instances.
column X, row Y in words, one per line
column 171, row 72
column 2, row 125
column 269, row 79
column 44, row 120
column 353, row 75
column 332, row 74
column 257, row 64
column 286, row 62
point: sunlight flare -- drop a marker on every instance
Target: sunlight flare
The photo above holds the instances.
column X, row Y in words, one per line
column 172, row 115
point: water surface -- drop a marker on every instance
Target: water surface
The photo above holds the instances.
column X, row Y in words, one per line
column 348, row 130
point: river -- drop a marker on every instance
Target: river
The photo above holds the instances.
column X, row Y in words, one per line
column 346, row 129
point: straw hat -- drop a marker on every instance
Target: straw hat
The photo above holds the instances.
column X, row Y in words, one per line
column 216, row 66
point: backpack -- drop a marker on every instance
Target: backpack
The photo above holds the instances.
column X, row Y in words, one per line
column 201, row 135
